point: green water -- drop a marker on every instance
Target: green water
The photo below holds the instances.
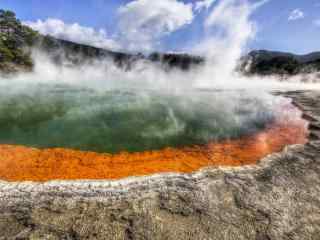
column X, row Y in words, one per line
column 126, row 120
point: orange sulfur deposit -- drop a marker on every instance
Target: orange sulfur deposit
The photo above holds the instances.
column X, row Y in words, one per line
column 19, row 163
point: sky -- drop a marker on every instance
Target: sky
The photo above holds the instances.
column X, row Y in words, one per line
column 167, row 25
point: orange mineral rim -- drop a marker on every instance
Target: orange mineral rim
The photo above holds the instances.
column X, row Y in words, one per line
column 20, row 163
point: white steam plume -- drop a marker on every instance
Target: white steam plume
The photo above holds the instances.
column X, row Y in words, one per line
column 229, row 29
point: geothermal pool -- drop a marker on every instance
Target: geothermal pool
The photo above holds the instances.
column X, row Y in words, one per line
column 69, row 133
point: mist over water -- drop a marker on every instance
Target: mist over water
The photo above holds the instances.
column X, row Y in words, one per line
column 126, row 120
column 100, row 107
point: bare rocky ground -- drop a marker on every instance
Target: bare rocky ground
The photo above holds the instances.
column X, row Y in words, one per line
column 277, row 199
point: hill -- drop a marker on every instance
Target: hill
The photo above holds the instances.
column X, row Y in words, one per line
column 17, row 42
column 265, row 62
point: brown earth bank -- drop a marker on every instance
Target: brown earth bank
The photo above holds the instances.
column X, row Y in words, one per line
column 18, row 163
column 279, row 198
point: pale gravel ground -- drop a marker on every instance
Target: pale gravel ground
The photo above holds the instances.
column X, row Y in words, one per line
column 277, row 199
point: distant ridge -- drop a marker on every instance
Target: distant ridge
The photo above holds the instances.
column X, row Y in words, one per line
column 17, row 40
column 304, row 58
column 264, row 62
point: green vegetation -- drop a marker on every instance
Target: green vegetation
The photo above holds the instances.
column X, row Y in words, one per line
column 15, row 42
column 278, row 65
column 265, row 62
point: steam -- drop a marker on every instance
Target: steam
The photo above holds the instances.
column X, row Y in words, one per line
column 104, row 75
column 229, row 31
column 126, row 120
column 228, row 28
